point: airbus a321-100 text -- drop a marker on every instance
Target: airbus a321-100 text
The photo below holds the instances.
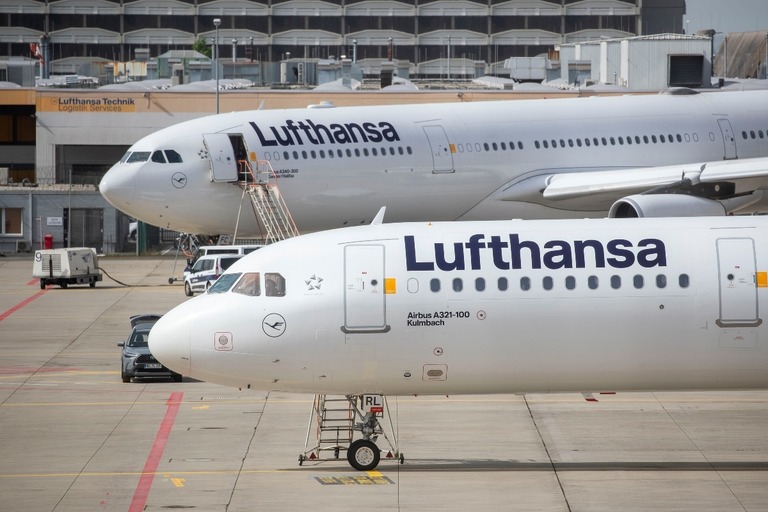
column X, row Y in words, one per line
column 643, row 155
column 486, row 307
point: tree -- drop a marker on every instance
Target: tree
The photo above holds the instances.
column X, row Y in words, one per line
column 201, row 46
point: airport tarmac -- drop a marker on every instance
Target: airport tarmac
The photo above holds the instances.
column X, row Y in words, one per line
column 73, row 437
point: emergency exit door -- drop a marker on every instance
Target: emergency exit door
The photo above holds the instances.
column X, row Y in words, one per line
column 442, row 158
column 364, row 294
column 738, row 282
column 729, row 141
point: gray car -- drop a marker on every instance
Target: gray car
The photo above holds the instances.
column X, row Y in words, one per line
column 137, row 360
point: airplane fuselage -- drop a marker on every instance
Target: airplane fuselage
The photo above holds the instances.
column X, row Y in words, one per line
column 468, row 161
column 487, row 307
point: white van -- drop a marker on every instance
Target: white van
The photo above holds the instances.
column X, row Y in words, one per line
column 206, row 271
column 206, row 250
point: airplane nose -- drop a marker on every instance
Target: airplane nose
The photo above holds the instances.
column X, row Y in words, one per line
column 118, row 186
column 169, row 339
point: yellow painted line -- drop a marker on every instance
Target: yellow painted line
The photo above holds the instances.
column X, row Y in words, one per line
column 374, row 474
column 178, row 482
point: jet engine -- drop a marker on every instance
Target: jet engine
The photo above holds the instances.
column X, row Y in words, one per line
column 665, row 205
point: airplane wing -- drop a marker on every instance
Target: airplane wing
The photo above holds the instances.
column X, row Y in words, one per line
column 663, row 179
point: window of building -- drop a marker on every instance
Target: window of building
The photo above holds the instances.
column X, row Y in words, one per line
column 11, row 218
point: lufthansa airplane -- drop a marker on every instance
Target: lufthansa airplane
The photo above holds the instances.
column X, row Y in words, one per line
column 687, row 153
column 522, row 306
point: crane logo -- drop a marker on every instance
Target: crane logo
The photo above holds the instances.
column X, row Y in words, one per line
column 273, row 325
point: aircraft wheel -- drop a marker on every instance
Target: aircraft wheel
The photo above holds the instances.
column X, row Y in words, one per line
column 188, row 290
column 363, row 455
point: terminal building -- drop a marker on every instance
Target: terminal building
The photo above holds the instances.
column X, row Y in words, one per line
column 430, row 35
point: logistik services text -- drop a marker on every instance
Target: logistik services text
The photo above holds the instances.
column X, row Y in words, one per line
column 510, row 252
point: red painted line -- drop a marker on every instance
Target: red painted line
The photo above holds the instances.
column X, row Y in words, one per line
column 34, row 281
column 20, row 305
column 153, row 461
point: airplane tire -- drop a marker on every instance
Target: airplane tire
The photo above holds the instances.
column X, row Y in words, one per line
column 188, row 290
column 363, row 455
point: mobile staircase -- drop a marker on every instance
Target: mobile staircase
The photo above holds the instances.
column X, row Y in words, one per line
column 259, row 183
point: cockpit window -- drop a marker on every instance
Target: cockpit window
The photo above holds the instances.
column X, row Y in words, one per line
column 224, row 283
column 158, row 157
column 248, row 285
column 274, row 284
column 172, row 156
column 125, row 156
column 138, row 156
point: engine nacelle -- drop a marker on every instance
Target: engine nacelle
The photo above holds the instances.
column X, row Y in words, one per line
column 665, row 205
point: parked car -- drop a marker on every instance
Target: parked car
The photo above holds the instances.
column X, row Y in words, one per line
column 206, row 271
column 137, row 360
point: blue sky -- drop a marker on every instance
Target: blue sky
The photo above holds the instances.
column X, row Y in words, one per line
column 726, row 15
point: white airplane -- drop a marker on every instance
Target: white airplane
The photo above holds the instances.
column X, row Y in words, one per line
column 698, row 154
column 525, row 306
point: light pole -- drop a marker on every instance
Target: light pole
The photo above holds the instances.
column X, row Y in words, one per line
column 449, row 58
column 216, row 23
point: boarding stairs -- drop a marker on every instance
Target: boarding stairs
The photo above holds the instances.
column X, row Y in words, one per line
column 259, row 183
column 333, row 422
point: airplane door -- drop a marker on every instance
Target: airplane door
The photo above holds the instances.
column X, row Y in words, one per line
column 729, row 141
column 442, row 158
column 737, row 281
column 364, row 297
column 222, row 155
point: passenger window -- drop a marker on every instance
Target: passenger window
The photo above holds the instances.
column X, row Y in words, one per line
column 158, row 157
column 592, row 282
column 503, row 283
column 458, row 284
column 661, row 281
column 248, row 285
column 570, row 282
column 547, row 283
column 412, row 285
column 525, row 283
column 638, row 281
column 434, row 285
column 684, row 281
column 274, row 284
column 480, row 284
column 615, row 282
